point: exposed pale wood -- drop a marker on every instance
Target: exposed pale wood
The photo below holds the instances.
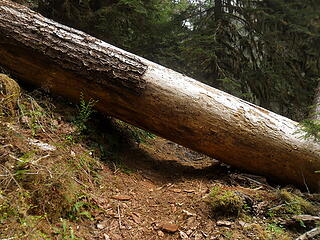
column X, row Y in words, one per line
column 68, row 62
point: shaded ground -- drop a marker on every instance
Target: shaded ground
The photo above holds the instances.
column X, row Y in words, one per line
column 107, row 180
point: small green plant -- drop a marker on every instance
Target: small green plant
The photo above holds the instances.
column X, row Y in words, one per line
column 70, row 138
column 311, row 129
column 275, row 228
column 80, row 209
column 65, row 232
column 276, row 231
column 301, row 223
column 25, row 159
column 23, row 165
column 86, row 108
column 32, row 115
column 228, row 235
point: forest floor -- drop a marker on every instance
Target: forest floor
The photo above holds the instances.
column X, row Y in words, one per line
column 63, row 177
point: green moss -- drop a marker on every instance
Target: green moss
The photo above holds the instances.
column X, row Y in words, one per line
column 226, row 202
column 9, row 94
column 55, row 197
column 6, row 211
column 292, row 204
column 266, row 232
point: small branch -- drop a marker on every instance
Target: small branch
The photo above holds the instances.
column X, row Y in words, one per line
column 310, row 234
column 8, row 238
column 304, row 182
column 119, row 218
column 11, row 176
column 40, row 158
column 15, row 158
column 81, row 183
column 244, row 177
column 306, row 218
column 116, row 169
column 7, row 145
column 281, row 205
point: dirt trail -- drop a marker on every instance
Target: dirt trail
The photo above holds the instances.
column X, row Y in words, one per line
column 162, row 184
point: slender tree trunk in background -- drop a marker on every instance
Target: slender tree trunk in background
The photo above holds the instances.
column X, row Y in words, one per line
column 70, row 62
column 217, row 10
column 315, row 114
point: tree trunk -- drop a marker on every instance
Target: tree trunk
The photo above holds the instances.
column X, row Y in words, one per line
column 133, row 89
column 315, row 114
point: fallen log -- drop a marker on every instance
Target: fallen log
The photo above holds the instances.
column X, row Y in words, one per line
column 70, row 62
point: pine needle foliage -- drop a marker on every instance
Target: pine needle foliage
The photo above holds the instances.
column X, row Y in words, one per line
column 86, row 109
column 311, row 129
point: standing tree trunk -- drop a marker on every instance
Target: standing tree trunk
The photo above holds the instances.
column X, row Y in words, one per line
column 133, row 89
column 218, row 10
column 315, row 114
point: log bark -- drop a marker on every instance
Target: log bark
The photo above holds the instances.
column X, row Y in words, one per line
column 68, row 62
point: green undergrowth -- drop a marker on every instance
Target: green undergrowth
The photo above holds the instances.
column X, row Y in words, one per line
column 238, row 201
column 277, row 207
column 292, row 204
column 42, row 192
column 85, row 111
column 39, row 189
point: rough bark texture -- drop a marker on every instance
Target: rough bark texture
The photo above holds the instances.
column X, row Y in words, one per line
column 68, row 62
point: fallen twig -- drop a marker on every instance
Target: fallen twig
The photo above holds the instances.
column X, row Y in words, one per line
column 281, row 205
column 119, row 218
column 305, row 183
column 306, row 218
column 11, row 176
column 8, row 238
column 310, row 234
column 250, row 179
column 4, row 146
column 40, row 158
